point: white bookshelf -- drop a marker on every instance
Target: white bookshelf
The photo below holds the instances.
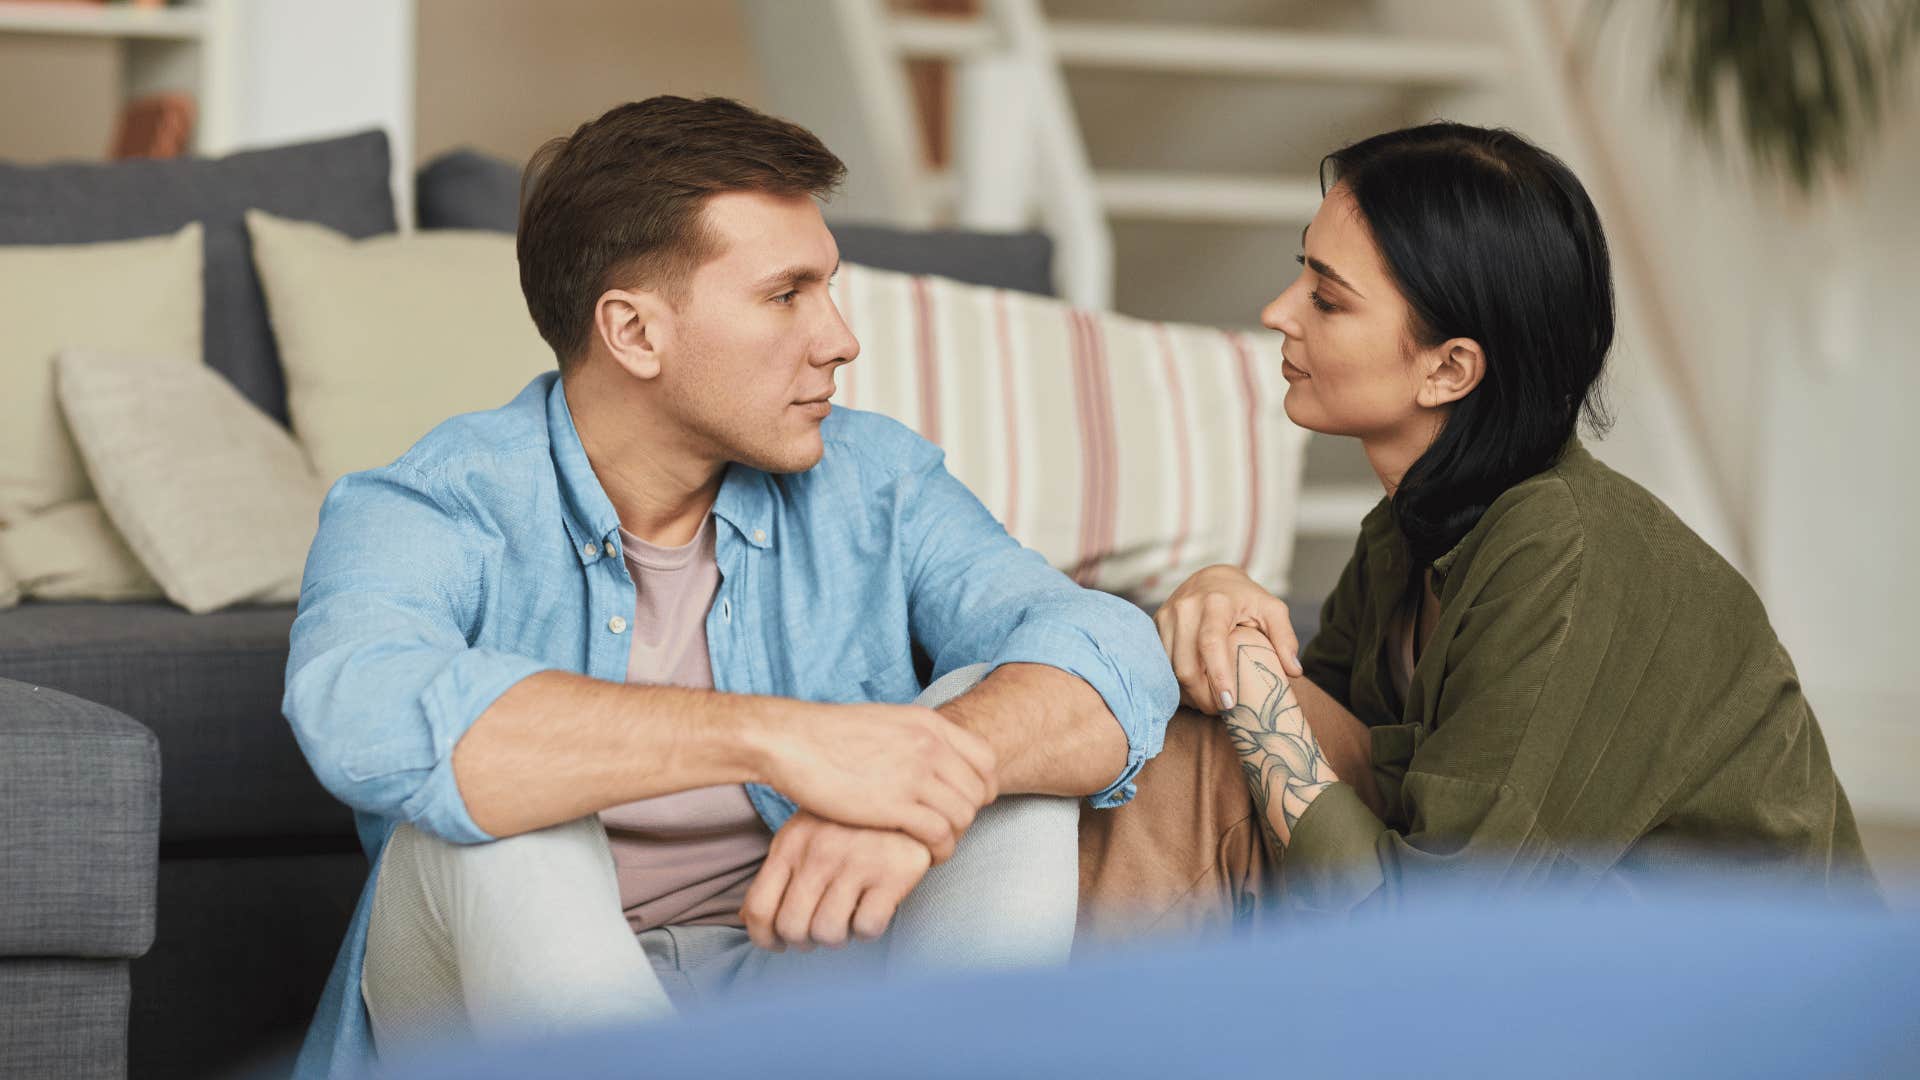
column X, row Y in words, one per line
column 103, row 20
column 185, row 47
column 261, row 72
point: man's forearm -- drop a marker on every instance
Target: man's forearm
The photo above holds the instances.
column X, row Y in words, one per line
column 1051, row 732
column 558, row 746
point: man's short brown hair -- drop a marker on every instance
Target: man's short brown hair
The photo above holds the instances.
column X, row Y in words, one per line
column 618, row 203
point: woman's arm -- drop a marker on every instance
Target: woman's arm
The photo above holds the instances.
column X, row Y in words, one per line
column 1204, row 623
column 1285, row 767
column 1346, row 741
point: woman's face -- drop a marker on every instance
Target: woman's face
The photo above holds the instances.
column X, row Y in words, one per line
column 1351, row 366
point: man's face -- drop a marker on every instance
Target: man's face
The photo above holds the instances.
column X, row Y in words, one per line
column 757, row 339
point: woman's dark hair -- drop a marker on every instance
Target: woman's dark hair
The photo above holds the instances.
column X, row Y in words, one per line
column 1489, row 237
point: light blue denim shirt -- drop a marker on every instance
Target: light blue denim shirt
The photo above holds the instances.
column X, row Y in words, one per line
column 489, row 552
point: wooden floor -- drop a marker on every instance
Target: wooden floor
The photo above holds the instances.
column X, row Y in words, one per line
column 1894, row 849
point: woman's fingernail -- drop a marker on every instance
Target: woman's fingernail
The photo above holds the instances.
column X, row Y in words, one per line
column 1226, row 701
column 1296, row 661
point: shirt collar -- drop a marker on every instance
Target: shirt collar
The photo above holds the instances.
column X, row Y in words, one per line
column 745, row 501
column 1443, row 565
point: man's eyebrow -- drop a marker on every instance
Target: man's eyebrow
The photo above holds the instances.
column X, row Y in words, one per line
column 793, row 277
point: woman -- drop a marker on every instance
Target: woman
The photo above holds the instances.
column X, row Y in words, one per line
column 1531, row 673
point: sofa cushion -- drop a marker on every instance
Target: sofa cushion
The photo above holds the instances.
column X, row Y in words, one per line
column 54, row 540
column 1022, row 261
column 385, row 338
column 342, row 183
column 51, row 299
column 80, row 796
column 216, row 499
column 465, row 189
column 209, row 687
column 64, row 1018
column 1129, row 453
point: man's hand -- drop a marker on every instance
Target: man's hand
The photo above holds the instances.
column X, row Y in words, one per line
column 824, row 882
column 884, row 767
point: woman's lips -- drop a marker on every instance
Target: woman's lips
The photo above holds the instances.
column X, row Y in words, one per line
column 1291, row 373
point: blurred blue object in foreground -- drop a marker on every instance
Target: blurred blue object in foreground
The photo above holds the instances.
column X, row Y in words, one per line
column 1726, row 988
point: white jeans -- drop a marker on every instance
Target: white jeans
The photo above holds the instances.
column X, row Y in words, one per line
column 525, row 936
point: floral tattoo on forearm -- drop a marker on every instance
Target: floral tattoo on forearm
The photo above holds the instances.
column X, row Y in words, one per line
column 1282, row 760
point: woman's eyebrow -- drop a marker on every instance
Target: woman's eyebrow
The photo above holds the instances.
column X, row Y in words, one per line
column 1333, row 275
column 1323, row 269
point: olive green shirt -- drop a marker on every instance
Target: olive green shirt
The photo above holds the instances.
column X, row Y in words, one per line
column 1602, row 705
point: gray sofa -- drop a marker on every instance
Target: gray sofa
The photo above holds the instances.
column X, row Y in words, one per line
column 258, row 866
column 80, row 798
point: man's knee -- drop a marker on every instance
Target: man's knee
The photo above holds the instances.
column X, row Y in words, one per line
column 1029, row 828
column 418, row 869
column 952, row 685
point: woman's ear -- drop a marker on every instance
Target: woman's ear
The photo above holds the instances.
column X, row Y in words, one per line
column 1454, row 368
column 635, row 327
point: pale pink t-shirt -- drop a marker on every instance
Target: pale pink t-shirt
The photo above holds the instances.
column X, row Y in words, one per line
column 687, row 858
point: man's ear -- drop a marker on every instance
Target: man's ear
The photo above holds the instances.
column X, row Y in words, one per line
column 1454, row 368
column 636, row 327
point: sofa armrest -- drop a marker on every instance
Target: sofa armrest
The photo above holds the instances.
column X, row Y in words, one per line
column 79, row 827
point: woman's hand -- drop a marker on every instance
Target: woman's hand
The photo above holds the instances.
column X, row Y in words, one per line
column 1194, row 624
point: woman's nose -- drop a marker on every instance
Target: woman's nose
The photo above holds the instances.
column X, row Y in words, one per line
column 1280, row 313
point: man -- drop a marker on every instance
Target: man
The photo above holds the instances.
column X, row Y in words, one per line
column 616, row 677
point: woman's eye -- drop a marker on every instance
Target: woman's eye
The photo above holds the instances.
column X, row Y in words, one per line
column 1319, row 303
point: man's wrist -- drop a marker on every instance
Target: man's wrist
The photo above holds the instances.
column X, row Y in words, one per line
column 752, row 743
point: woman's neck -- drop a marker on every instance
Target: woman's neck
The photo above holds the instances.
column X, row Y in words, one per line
column 1393, row 453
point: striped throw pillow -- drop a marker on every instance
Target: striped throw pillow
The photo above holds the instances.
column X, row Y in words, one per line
column 1129, row 453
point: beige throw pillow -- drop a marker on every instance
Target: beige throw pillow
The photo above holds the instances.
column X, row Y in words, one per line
column 71, row 552
column 213, row 495
column 135, row 295
column 382, row 339
column 9, row 588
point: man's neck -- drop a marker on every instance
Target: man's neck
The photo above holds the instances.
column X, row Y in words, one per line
column 660, row 488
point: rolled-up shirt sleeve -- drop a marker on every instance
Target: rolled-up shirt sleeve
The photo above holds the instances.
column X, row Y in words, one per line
column 975, row 595
column 382, row 680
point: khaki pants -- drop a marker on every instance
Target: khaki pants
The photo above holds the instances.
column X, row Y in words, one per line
column 1185, row 858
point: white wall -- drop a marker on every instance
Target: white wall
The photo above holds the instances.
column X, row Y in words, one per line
column 305, row 70
column 1836, row 448
column 1800, row 317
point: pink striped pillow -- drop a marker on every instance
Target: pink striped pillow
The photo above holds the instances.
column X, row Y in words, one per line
column 1129, row 453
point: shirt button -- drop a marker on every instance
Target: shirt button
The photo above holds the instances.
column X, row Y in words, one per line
column 617, row 624
column 611, row 550
column 590, row 550
column 759, row 536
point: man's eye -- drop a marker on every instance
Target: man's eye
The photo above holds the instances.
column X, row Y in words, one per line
column 786, row 297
